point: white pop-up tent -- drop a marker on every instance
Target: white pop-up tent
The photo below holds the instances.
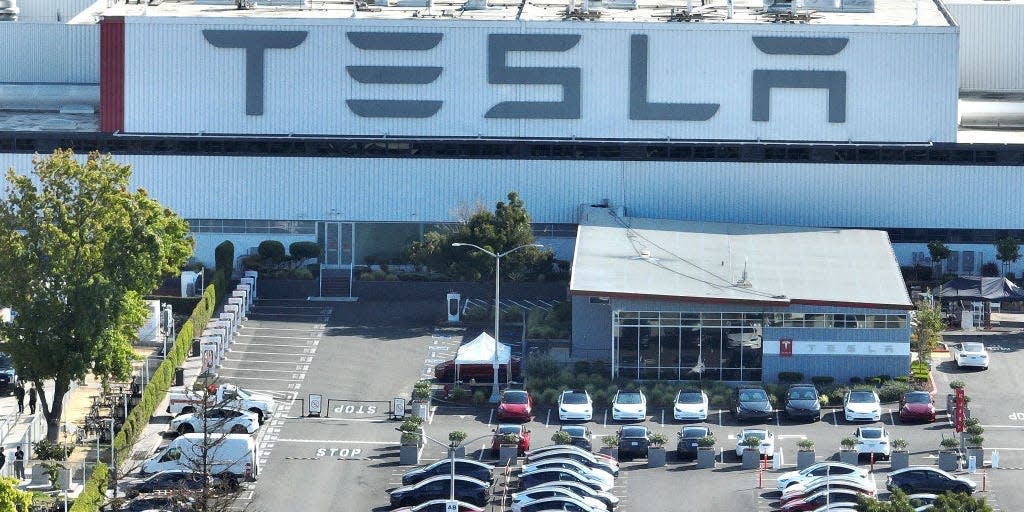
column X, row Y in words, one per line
column 481, row 351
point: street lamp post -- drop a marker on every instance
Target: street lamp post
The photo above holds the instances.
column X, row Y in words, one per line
column 452, row 447
column 497, row 304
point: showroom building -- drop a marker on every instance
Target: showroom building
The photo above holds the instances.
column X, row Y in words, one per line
column 679, row 300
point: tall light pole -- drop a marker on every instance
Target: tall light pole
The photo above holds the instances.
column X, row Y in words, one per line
column 497, row 304
column 452, row 446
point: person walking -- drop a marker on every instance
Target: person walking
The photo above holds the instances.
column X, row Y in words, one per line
column 3, row 460
column 19, row 393
column 32, row 400
column 19, row 464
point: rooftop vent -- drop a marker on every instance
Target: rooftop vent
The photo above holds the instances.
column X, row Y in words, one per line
column 9, row 10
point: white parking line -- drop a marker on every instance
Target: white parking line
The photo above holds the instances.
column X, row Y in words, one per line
column 331, row 441
column 256, row 370
column 262, row 362
column 307, row 338
column 274, row 344
column 266, row 379
column 254, row 327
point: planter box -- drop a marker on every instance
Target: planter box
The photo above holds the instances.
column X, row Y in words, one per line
column 421, row 409
column 508, row 455
column 705, row 458
column 38, row 476
column 751, row 458
column 410, row 455
column 899, row 460
column 849, row 457
column 979, row 457
column 804, row 459
column 460, row 452
column 611, row 451
column 656, row 457
column 948, row 461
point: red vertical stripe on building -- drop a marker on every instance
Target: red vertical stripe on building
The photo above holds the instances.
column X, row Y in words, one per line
column 112, row 74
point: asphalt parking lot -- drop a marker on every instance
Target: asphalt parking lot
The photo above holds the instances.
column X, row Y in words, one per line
column 359, row 359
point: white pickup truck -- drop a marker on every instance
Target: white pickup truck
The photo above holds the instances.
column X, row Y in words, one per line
column 185, row 400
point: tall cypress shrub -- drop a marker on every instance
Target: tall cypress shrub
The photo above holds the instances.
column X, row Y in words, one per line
column 225, row 258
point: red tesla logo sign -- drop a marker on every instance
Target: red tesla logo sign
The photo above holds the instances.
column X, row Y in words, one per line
column 961, row 417
column 786, row 347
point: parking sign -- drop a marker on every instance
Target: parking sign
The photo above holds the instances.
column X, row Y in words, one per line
column 451, row 506
column 315, row 402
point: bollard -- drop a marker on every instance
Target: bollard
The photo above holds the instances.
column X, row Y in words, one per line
column 872, row 462
column 760, row 479
column 984, row 481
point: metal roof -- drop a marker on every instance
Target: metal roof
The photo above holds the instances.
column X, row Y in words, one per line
column 619, row 256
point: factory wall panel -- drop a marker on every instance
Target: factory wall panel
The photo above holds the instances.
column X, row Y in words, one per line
column 991, row 46
column 887, row 73
column 50, row 53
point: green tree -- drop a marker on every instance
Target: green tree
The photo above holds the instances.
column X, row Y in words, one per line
column 961, row 502
column 939, row 252
column 1007, row 251
column 928, row 331
column 506, row 228
column 898, row 502
column 80, row 250
column 11, row 498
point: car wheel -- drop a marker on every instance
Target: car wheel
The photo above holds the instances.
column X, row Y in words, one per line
column 238, row 429
column 185, row 429
column 259, row 414
column 188, row 410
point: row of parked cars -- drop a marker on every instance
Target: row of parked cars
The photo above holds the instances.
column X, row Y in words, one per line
column 750, row 403
column 835, row 486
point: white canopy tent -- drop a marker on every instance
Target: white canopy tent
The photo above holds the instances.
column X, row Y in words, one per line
column 481, row 351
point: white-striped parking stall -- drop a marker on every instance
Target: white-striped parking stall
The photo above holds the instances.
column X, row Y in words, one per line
column 271, row 355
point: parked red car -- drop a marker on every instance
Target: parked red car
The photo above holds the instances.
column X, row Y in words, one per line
column 520, row 430
column 917, row 406
column 515, row 404
column 483, row 373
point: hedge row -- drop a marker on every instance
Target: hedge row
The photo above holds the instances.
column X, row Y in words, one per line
column 95, row 492
column 160, row 382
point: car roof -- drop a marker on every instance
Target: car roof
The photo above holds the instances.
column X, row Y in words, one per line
column 457, row 460
column 634, row 430
column 448, row 478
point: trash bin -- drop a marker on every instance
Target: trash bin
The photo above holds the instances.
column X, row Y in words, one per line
column 179, row 376
column 195, row 348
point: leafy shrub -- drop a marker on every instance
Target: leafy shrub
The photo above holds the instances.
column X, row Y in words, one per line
column 49, row 450
column 461, row 393
column 900, row 445
column 892, row 391
column 824, row 400
column 805, row 444
column 93, row 495
column 301, row 273
column 224, row 256
column 848, row 443
column 836, row 394
column 252, row 262
column 990, row 269
column 480, row 397
column 873, row 381
column 790, row 377
column 706, row 442
column 956, row 384
column 457, row 436
column 304, row 250
column 610, row 441
column 822, row 380
column 548, row 397
column 561, row 437
column 855, row 380
column 271, row 250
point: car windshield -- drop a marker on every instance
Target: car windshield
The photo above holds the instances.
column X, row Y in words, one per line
column 574, row 398
column 871, row 433
column 628, row 398
column 801, row 394
column 509, row 429
column 918, row 398
column 689, row 397
column 694, row 432
column 753, row 395
column 760, row 434
column 515, row 397
column 862, row 397
column 575, row 431
column 634, row 432
column 973, row 347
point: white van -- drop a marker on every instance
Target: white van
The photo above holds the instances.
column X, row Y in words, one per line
column 232, row 454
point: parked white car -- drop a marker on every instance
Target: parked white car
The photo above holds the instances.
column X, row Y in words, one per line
column 228, row 420
column 767, row 446
column 862, row 405
column 592, row 474
column 691, row 405
column 970, row 355
column 629, row 406
column 575, row 405
column 819, row 469
column 873, row 440
column 529, row 496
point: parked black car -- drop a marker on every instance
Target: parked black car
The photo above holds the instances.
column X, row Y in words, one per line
column 928, row 479
column 467, row 489
column 580, row 436
column 751, row 403
column 802, row 401
column 465, row 467
column 633, row 441
column 686, row 445
column 170, row 480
